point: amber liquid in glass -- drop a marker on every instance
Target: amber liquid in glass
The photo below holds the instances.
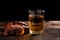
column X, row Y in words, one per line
column 36, row 24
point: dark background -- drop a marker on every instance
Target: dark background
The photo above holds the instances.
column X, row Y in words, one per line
column 17, row 10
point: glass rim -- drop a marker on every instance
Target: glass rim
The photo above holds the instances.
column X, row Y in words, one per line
column 38, row 10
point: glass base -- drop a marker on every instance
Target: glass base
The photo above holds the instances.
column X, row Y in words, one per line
column 36, row 32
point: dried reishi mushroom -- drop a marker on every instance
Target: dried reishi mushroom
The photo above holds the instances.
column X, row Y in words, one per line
column 13, row 28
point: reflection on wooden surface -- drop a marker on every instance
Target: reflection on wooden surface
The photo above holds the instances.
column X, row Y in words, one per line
column 52, row 24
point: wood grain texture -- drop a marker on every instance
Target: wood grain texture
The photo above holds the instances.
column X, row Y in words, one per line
column 50, row 33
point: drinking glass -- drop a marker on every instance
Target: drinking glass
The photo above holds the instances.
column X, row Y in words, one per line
column 36, row 18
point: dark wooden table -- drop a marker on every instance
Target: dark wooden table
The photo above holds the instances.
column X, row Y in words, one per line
column 50, row 33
